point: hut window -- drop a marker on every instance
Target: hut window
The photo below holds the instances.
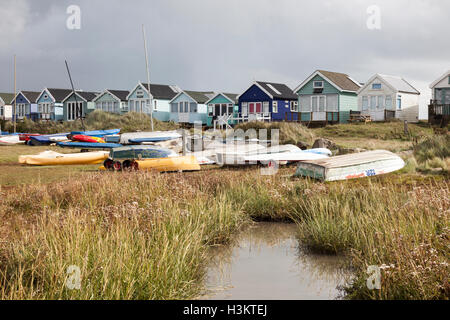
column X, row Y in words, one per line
column 318, row 84
column 373, row 102
column 294, row 106
column 376, row 86
column 399, row 102
column 380, row 102
column 365, row 103
column 275, row 107
column 314, row 103
column 321, row 104
column 244, row 108
column 230, row 109
column 266, row 107
column 388, row 102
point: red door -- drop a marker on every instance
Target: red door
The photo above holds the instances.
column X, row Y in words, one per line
column 252, row 108
column 258, row 107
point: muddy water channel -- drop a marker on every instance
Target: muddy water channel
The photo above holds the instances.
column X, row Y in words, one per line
column 266, row 262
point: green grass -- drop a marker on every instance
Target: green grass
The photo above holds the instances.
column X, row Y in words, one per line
column 12, row 173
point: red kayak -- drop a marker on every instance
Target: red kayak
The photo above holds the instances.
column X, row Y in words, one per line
column 83, row 138
column 26, row 136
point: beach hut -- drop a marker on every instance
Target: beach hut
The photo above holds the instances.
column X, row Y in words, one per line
column 439, row 107
column 5, row 107
column 223, row 108
column 160, row 94
column 327, row 97
column 190, row 107
column 385, row 97
column 78, row 104
column 112, row 101
column 268, row 101
column 26, row 106
column 50, row 103
column 440, row 89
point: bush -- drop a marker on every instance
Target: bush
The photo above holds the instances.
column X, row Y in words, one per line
column 437, row 146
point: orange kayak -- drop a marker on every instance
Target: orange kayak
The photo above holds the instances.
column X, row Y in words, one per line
column 83, row 138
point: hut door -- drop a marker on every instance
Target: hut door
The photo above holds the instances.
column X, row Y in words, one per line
column 258, row 107
column 251, row 108
column 217, row 110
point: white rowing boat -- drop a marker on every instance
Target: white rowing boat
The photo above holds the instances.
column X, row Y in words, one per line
column 284, row 157
column 10, row 140
column 351, row 166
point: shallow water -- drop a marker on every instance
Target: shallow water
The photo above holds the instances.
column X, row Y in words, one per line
column 266, row 263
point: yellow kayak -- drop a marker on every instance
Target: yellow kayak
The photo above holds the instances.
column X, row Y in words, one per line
column 186, row 163
column 51, row 158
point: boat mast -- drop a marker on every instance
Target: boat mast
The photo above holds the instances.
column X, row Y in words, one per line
column 76, row 100
column 148, row 76
column 15, row 99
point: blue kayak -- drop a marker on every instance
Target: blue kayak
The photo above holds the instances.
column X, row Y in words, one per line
column 87, row 145
column 155, row 139
column 96, row 133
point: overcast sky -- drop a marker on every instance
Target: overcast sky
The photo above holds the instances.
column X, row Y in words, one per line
column 220, row 45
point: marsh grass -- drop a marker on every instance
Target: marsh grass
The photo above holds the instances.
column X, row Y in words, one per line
column 145, row 235
column 130, row 243
column 402, row 227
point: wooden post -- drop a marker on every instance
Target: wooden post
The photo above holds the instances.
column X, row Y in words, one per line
column 405, row 127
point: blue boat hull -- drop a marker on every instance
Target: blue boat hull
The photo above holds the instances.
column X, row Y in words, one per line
column 97, row 133
column 87, row 145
